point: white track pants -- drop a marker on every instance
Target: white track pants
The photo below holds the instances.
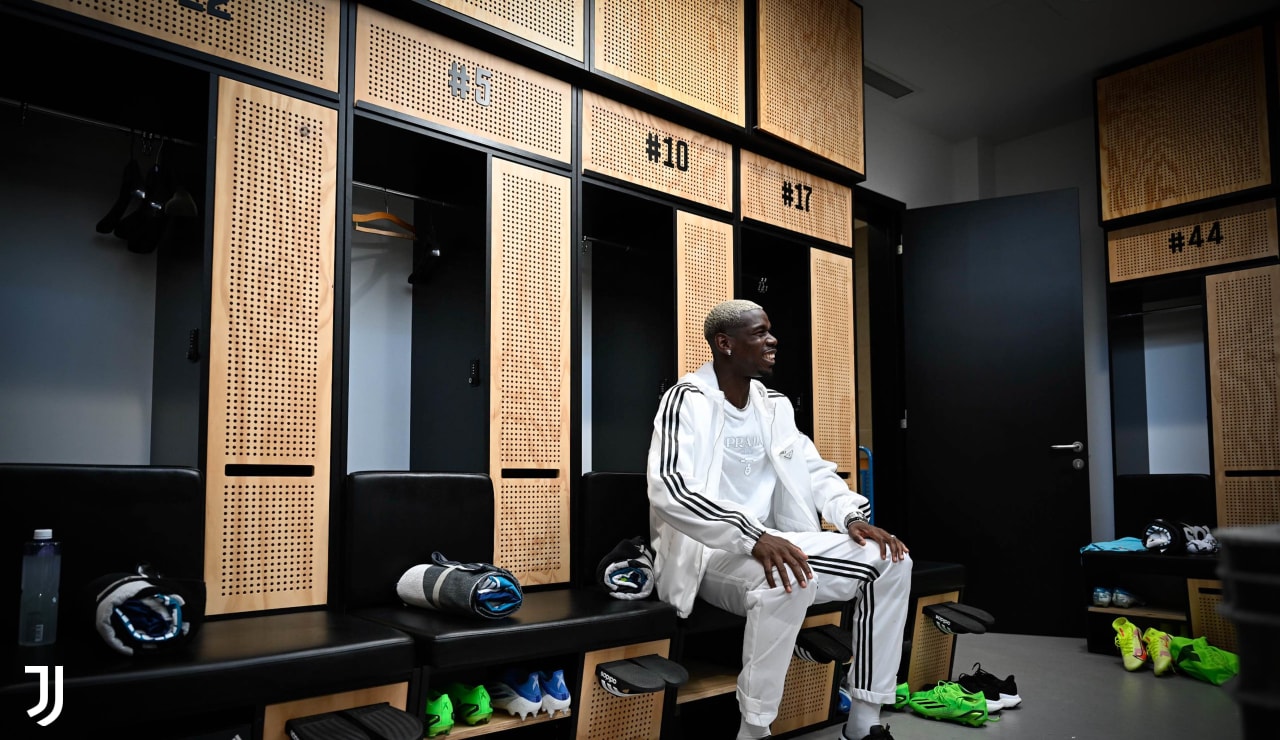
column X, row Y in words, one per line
column 842, row 571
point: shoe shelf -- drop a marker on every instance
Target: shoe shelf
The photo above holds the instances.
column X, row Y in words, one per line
column 707, row 680
column 500, row 724
column 1159, row 581
column 1141, row 612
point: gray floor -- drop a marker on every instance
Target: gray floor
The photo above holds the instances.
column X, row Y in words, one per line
column 1070, row 693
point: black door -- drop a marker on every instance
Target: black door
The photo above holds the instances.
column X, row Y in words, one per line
column 994, row 381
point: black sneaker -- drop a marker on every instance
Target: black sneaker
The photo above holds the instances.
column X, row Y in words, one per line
column 878, row 732
column 1001, row 693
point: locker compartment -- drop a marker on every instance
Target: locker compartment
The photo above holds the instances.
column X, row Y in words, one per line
column 104, row 335
column 629, row 325
column 774, row 272
column 419, row 365
column 1159, row 377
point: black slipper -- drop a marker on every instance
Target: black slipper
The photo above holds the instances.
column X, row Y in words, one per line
column 842, row 635
column 328, row 726
column 626, row 678
column 385, row 722
column 972, row 611
column 674, row 674
column 952, row 622
column 818, row 645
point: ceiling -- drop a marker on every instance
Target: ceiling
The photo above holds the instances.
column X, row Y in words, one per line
column 998, row 70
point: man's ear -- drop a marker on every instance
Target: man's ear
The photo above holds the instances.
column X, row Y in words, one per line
column 722, row 343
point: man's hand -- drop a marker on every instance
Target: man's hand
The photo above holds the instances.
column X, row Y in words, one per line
column 774, row 552
column 860, row 532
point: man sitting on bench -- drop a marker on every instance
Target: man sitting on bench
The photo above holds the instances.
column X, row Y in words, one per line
column 736, row 492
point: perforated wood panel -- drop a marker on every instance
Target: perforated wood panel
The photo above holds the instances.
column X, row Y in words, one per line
column 831, row 298
column 931, row 649
column 795, row 200
column 1248, row 501
column 533, row 528
column 806, row 693
column 704, row 277
column 633, row 146
column 690, row 52
column 297, row 40
column 1203, row 598
column 1189, row 126
column 530, row 361
column 1218, row 237
column 810, row 76
column 555, row 24
column 1243, row 312
column 604, row 716
column 441, row 82
column 270, row 350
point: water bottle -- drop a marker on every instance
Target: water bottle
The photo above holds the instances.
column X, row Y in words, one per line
column 41, row 570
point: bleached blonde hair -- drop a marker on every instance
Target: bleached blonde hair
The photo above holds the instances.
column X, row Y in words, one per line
column 727, row 316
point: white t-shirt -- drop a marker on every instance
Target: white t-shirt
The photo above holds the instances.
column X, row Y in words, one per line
column 747, row 476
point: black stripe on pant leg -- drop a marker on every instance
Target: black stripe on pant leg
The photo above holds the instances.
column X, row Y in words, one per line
column 864, row 618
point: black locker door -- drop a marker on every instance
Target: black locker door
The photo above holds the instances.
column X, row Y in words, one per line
column 994, row 380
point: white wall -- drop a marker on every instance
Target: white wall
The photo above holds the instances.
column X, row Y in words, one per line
column 381, row 341
column 77, row 308
column 904, row 162
column 1177, row 421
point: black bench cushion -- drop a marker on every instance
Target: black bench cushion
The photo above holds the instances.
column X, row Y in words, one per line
column 392, row 521
column 109, row 519
column 395, row 520
column 615, row 507
column 240, row 662
column 551, row 622
column 1183, row 497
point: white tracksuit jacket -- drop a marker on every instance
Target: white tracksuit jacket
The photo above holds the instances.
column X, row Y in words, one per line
column 685, row 455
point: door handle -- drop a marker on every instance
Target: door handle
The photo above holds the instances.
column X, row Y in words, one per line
column 1074, row 447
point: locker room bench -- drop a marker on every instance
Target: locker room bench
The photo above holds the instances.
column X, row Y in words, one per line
column 615, row 506
column 111, row 518
column 392, row 521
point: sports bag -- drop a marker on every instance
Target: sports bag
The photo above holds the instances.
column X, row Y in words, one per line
column 1179, row 538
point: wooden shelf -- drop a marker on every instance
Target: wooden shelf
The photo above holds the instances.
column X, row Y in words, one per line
column 499, row 723
column 707, row 680
column 1141, row 612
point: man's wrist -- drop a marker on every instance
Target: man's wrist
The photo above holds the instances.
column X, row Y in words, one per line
column 854, row 517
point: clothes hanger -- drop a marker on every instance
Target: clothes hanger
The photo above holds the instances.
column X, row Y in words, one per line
column 384, row 215
column 129, row 192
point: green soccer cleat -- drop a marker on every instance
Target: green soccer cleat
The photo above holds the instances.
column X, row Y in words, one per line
column 439, row 714
column 470, row 703
column 1158, row 649
column 1129, row 640
column 901, row 694
column 949, row 701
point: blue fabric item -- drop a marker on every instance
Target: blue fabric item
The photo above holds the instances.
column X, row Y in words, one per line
column 498, row 595
column 1124, row 544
